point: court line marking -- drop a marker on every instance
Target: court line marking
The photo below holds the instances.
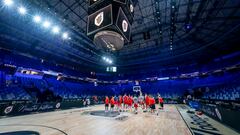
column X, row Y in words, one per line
column 33, row 125
column 184, row 121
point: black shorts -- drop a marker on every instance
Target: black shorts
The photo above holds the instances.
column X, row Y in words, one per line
column 153, row 106
column 112, row 106
column 106, row 105
column 161, row 104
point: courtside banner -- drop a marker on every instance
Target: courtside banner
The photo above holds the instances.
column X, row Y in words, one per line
column 14, row 108
column 23, row 108
column 224, row 115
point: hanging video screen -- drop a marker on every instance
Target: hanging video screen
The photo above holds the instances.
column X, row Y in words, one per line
column 123, row 24
column 100, row 19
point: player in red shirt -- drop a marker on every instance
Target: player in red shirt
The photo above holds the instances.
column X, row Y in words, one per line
column 152, row 104
column 112, row 102
column 135, row 101
column 130, row 102
column 106, row 103
column 125, row 102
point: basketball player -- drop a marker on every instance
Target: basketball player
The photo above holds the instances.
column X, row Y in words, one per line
column 120, row 103
column 141, row 100
column 116, row 102
column 130, row 102
column 135, row 101
column 88, row 102
column 112, row 102
column 106, row 103
column 147, row 102
column 84, row 102
column 160, row 100
column 125, row 102
column 152, row 104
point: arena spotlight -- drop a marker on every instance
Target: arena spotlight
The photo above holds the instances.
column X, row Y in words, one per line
column 65, row 35
column 55, row 30
column 107, row 60
column 22, row 10
column 188, row 26
column 8, row 2
column 46, row 24
column 37, row 19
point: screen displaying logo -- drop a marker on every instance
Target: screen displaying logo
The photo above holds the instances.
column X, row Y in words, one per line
column 131, row 8
column 99, row 19
column 124, row 26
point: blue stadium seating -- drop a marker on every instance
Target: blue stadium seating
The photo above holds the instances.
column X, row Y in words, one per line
column 74, row 90
column 14, row 93
column 223, row 93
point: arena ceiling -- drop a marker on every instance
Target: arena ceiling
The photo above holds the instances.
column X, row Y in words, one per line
column 164, row 33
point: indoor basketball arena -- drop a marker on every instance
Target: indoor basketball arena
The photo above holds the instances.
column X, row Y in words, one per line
column 119, row 67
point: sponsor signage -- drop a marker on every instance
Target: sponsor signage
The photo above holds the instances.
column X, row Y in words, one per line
column 21, row 108
column 58, row 105
column 8, row 110
column 36, row 107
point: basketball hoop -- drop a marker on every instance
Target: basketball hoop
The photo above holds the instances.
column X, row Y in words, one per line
column 136, row 88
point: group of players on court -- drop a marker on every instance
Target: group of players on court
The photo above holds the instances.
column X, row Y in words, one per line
column 127, row 103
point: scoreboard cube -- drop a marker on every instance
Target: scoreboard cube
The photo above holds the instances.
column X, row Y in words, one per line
column 110, row 15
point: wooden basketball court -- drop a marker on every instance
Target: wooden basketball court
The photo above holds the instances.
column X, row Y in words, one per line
column 80, row 122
